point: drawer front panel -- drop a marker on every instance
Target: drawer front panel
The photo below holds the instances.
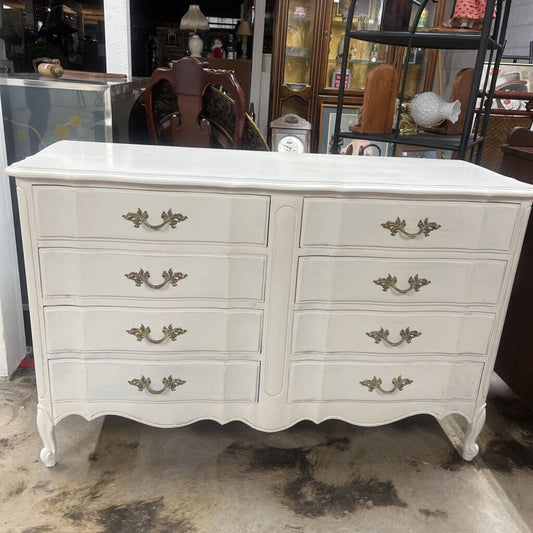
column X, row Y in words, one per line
column 94, row 213
column 358, row 279
column 102, row 274
column 107, row 380
column 102, row 329
column 353, row 222
column 335, row 381
column 347, row 332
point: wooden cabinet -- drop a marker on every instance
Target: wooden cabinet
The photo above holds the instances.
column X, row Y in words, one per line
column 295, row 57
column 263, row 288
column 307, row 54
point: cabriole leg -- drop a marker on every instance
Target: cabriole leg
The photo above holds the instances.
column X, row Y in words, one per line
column 47, row 433
column 470, row 448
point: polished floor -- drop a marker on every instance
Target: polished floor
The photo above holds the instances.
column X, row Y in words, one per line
column 117, row 476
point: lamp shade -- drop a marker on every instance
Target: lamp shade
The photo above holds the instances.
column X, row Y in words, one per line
column 194, row 19
column 245, row 28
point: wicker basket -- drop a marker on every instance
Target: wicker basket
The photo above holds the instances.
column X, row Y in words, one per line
column 498, row 130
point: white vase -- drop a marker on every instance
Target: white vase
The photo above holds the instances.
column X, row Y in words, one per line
column 196, row 45
column 429, row 109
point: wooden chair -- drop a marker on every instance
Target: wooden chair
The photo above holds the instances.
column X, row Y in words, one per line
column 190, row 79
column 517, row 159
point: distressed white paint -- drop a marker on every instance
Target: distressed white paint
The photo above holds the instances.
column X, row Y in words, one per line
column 117, row 36
column 268, row 341
column 12, row 339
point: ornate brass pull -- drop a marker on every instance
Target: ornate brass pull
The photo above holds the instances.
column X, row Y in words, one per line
column 415, row 284
column 169, row 332
column 383, row 335
column 375, row 383
column 169, row 276
column 141, row 217
column 424, row 228
column 168, row 383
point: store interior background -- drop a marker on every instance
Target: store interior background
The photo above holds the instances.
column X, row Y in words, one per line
column 84, row 49
column 50, row 34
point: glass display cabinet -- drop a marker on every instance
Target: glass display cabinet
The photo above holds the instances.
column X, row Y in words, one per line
column 365, row 55
column 362, row 56
column 38, row 112
column 307, row 55
column 295, row 68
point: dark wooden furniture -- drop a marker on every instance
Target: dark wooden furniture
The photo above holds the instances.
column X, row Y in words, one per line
column 514, row 363
column 518, row 155
column 242, row 68
column 190, row 79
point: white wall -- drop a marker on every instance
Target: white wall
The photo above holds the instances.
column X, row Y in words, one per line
column 520, row 28
column 117, row 36
column 12, row 339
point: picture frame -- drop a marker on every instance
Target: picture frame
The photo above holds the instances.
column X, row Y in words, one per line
column 511, row 77
column 350, row 115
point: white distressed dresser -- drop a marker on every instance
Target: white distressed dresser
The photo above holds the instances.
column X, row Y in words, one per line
column 170, row 285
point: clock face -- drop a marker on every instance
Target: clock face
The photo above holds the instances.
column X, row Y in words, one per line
column 290, row 143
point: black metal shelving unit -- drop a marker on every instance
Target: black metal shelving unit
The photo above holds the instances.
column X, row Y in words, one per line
column 489, row 43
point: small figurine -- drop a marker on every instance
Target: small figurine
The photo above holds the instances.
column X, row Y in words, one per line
column 217, row 48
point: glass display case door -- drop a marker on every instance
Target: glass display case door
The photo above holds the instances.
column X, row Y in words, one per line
column 296, row 57
column 364, row 56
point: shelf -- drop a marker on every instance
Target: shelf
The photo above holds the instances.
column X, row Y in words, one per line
column 443, row 40
column 469, row 143
column 301, row 52
column 358, row 61
column 427, row 140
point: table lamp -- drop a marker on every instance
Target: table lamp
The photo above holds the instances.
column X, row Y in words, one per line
column 194, row 20
column 245, row 29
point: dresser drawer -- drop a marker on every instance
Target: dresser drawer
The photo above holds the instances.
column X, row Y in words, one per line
column 108, row 380
column 336, row 332
column 312, row 381
column 108, row 329
column 104, row 274
column 360, row 279
column 99, row 213
column 454, row 225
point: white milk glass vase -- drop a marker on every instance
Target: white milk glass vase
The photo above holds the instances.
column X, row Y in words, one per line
column 429, row 109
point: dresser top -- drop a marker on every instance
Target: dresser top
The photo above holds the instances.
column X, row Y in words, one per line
column 76, row 161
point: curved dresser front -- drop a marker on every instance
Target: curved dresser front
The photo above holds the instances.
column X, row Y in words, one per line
column 170, row 285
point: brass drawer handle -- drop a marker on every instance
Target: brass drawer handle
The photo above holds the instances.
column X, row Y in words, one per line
column 141, row 217
column 383, row 335
column 168, row 383
column 169, row 332
column 375, row 383
column 424, row 228
column 415, row 284
column 169, row 276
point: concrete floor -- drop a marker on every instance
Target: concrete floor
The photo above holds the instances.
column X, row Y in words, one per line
column 116, row 476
